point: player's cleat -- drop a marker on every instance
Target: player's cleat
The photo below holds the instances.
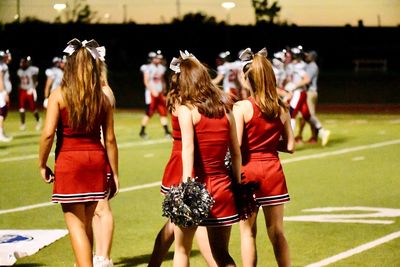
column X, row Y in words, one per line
column 22, row 127
column 144, row 136
column 324, row 136
column 312, row 141
column 298, row 139
column 5, row 139
column 100, row 261
column 168, row 136
column 38, row 125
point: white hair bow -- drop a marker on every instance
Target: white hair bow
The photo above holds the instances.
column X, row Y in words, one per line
column 97, row 52
column 176, row 62
column 247, row 55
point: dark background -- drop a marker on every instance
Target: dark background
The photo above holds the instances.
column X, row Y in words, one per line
column 128, row 45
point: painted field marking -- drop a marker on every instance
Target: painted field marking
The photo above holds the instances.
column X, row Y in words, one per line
column 124, row 145
column 307, row 157
column 358, row 158
column 46, row 204
column 368, row 215
column 356, row 250
column 342, row 151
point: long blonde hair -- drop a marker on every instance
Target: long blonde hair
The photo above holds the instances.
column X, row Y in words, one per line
column 261, row 77
column 82, row 90
column 193, row 87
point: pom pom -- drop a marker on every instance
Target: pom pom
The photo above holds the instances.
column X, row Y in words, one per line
column 245, row 199
column 187, row 204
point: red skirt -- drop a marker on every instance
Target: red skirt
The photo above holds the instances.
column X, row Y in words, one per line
column 224, row 211
column 269, row 176
column 80, row 176
column 173, row 172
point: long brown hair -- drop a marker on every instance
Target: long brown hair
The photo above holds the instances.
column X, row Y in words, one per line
column 82, row 91
column 193, row 87
column 263, row 83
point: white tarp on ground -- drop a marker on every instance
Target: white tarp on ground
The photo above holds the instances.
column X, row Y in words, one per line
column 15, row 244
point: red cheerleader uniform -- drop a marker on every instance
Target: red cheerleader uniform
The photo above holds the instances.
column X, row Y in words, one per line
column 211, row 143
column 173, row 170
column 260, row 160
column 81, row 164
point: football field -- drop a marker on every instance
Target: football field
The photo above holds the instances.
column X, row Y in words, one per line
column 344, row 209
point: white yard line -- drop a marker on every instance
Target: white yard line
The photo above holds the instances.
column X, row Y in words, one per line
column 356, row 250
column 123, row 145
column 307, row 157
column 342, row 151
column 46, row 204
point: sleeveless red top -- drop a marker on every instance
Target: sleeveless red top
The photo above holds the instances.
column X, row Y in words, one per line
column 70, row 140
column 260, row 135
column 211, row 144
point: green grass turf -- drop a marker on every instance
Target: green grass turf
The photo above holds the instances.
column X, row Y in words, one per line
column 368, row 177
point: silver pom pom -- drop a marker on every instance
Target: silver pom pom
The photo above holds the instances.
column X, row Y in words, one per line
column 187, row 204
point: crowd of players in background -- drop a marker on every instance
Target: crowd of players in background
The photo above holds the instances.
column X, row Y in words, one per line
column 296, row 74
column 27, row 85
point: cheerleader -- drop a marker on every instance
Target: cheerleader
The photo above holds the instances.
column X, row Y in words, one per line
column 207, row 130
column 77, row 110
column 263, row 128
column 103, row 221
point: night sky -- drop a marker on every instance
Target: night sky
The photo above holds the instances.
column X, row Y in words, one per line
column 300, row 12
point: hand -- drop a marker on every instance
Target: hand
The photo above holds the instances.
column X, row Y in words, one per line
column 45, row 102
column 287, row 97
column 154, row 93
column 116, row 181
column 47, row 174
column 290, row 87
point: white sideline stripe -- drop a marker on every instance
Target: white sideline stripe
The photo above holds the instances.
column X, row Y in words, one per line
column 124, row 145
column 342, row 151
column 30, row 207
column 138, row 187
column 320, row 155
column 356, row 250
column 45, row 204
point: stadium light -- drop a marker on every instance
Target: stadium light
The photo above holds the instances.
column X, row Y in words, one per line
column 107, row 17
column 59, row 7
column 228, row 6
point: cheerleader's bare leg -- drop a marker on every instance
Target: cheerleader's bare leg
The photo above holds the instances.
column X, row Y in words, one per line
column 204, row 246
column 219, row 242
column 274, row 222
column 78, row 217
column 103, row 228
column 248, row 234
column 163, row 242
column 183, row 245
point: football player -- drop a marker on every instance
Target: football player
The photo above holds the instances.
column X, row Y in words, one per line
column 54, row 77
column 5, row 89
column 153, row 78
column 28, row 82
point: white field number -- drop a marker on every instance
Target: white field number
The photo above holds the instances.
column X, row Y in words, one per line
column 367, row 215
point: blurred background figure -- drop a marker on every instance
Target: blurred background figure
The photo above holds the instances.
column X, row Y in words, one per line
column 296, row 83
column 147, row 94
column 5, row 90
column 54, row 77
column 228, row 73
column 312, row 95
column 28, row 81
column 154, row 81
